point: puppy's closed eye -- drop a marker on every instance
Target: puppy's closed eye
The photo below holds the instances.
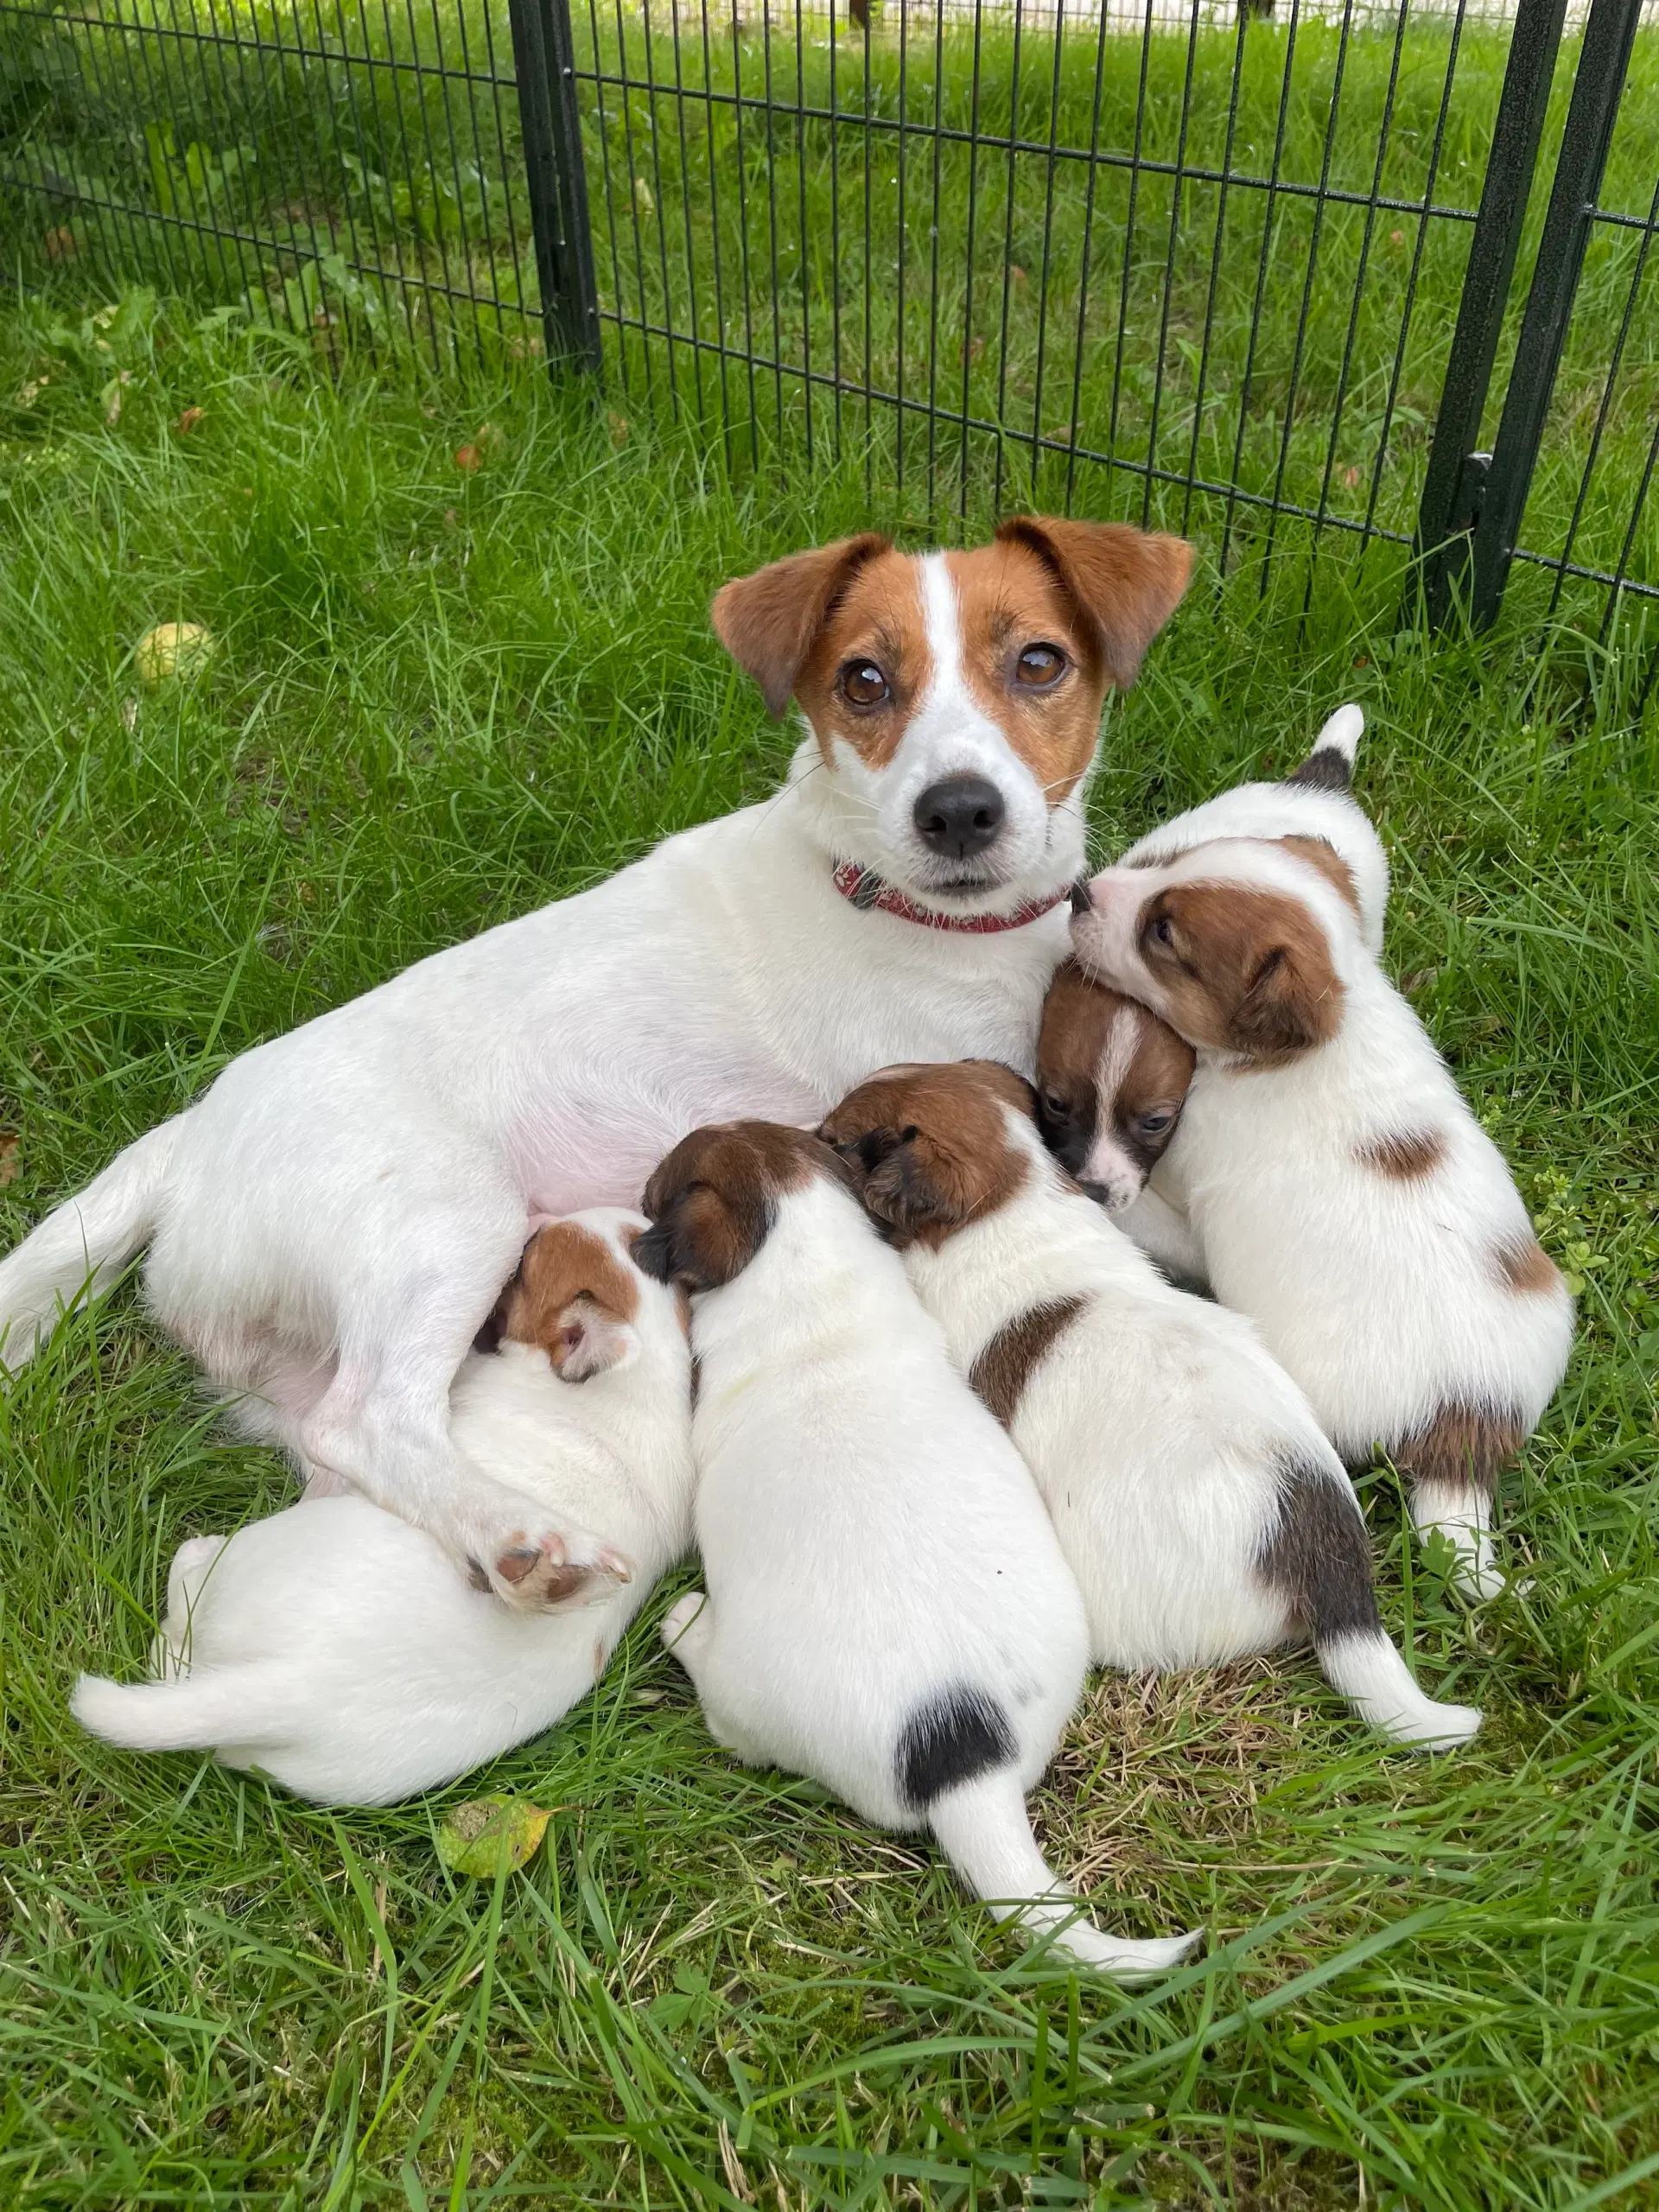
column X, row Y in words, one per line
column 1159, row 934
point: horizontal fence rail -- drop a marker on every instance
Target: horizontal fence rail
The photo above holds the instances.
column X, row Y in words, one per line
column 1194, row 263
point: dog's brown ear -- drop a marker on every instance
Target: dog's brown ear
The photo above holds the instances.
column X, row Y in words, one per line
column 908, row 1185
column 1293, row 1002
column 1125, row 584
column 770, row 621
column 589, row 1339
column 711, row 1209
column 702, row 1239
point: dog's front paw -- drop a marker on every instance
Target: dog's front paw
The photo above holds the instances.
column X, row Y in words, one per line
column 552, row 1570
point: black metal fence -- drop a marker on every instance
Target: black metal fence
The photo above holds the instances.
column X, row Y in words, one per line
column 1256, row 275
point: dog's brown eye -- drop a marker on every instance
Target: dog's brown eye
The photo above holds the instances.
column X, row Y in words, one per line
column 1038, row 666
column 1161, row 931
column 1055, row 1107
column 1154, row 1125
column 863, row 684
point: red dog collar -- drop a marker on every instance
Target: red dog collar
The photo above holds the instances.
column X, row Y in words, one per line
column 865, row 891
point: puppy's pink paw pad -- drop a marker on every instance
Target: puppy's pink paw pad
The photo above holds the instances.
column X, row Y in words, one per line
column 547, row 1576
column 517, row 1565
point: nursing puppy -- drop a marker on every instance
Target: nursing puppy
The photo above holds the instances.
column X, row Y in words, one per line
column 343, row 1652
column 1203, row 1512
column 887, row 1608
column 1111, row 1082
column 329, row 1225
column 1339, row 1189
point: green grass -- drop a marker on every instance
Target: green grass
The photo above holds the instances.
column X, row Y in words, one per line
column 440, row 699
column 853, row 224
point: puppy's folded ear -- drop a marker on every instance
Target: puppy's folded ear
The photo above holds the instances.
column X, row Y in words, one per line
column 590, row 1340
column 702, row 1237
column 1293, row 1003
column 770, row 621
column 908, row 1183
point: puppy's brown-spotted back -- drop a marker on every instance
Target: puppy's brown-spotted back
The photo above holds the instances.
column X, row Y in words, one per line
column 711, row 1202
column 933, row 1144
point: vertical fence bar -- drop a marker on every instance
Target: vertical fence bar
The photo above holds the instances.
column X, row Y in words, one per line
column 1605, row 409
column 1604, row 58
column 544, row 55
column 1456, row 474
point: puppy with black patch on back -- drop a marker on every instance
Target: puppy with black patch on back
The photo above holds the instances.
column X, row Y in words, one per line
column 1203, row 1511
column 342, row 1651
column 888, row 1610
column 1336, row 1185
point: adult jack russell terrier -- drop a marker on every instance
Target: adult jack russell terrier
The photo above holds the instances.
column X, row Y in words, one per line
column 331, row 1223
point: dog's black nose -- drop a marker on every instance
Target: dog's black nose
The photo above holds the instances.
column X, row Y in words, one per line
column 959, row 816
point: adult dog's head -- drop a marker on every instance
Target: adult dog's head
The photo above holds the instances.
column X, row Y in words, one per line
column 955, row 698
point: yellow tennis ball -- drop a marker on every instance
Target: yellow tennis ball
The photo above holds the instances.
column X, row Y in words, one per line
column 182, row 649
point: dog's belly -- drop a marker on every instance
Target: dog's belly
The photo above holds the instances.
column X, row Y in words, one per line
column 604, row 1157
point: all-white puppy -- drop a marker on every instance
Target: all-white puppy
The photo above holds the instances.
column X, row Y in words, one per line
column 1200, row 1506
column 1337, row 1188
column 328, row 1225
column 343, row 1652
column 888, row 1608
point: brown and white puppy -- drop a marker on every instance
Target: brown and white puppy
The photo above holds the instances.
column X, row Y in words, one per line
column 330, row 1223
column 1338, row 1187
column 342, row 1651
column 1111, row 1082
column 1202, row 1511
column 887, row 1608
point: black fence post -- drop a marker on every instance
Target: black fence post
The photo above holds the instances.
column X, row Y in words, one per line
column 1604, row 58
column 1454, row 485
column 543, row 54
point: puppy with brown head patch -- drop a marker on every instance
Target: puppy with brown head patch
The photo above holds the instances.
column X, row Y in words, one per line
column 887, row 1609
column 1337, row 1188
column 339, row 1648
column 1111, row 1082
column 1202, row 1511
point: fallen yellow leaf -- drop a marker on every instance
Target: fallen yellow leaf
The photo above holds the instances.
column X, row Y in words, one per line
column 477, row 1836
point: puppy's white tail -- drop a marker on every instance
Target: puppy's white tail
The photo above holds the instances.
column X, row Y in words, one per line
column 1364, row 1666
column 196, row 1713
column 80, row 1247
column 1342, row 731
column 984, row 1830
